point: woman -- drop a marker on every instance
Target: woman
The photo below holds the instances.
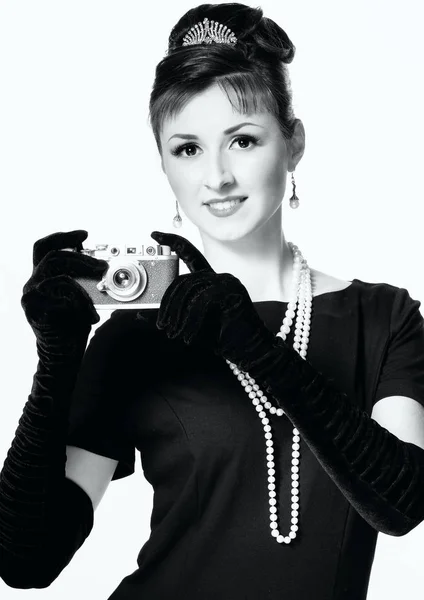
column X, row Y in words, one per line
column 226, row 521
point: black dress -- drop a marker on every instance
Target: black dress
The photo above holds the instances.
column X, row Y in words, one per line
column 202, row 448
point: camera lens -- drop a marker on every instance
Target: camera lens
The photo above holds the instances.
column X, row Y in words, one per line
column 125, row 280
column 122, row 278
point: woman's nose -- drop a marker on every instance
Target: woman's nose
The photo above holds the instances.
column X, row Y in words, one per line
column 218, row 172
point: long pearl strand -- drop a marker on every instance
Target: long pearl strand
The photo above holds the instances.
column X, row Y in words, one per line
column 302, row 295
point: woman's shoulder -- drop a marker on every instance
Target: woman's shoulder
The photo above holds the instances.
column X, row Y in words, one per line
column 322, row 283
column 379, row 298
column 327, row 284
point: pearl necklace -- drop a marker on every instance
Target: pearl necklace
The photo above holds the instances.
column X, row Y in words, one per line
column 301, row 294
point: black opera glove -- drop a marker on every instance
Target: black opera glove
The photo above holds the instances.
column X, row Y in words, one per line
column 380, row 475
column 45, row 517
column 212, row 309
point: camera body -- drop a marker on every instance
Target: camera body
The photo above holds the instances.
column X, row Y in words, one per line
column 137, row 276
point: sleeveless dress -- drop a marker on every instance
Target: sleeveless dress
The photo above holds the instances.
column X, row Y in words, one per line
column 202, row 448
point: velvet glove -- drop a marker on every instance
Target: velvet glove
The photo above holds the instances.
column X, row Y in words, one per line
column 380, row 475
column 45, row 517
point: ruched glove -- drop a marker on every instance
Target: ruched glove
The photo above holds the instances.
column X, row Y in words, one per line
column 45, row 517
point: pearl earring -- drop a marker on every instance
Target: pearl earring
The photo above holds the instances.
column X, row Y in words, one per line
column 294, row 200
column 177, row 221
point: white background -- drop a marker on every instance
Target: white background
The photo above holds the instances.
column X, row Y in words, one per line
column 76, row 152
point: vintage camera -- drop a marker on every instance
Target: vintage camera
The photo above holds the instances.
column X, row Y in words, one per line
column 137, row 276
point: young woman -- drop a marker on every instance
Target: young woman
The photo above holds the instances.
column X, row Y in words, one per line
column 278, row 410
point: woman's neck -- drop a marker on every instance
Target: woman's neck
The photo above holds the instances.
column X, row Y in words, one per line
column 262, row 261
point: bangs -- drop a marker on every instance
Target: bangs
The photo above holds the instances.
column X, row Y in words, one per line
column 247, row 92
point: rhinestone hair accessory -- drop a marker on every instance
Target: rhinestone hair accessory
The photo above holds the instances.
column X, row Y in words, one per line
column 205, row 33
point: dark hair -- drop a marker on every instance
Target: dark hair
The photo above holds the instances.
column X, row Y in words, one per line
column 255, row 68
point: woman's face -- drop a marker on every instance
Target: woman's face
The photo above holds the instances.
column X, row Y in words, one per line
column 202, row 162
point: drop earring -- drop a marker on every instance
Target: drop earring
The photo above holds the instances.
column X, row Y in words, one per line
column 177, row 221
column 294, row 200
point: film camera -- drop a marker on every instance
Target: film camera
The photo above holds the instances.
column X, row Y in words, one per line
column 137, row 276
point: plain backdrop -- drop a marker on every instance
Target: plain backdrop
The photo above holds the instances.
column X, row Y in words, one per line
column 76, row 152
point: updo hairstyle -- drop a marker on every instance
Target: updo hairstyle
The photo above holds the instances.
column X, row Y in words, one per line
column 254, row 69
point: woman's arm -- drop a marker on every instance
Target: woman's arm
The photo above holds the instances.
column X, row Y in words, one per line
column 381, row 475
column 401, row 415
column 44, row 517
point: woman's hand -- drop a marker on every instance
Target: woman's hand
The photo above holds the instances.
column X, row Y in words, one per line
column 52, row 299
column 214, row 309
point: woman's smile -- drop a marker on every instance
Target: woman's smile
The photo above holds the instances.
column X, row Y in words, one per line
column 224, row 209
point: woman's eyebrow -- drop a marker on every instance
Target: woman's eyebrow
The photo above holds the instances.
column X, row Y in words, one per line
column 191, row 136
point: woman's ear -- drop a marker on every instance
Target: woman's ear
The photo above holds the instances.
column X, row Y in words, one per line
column 297, row 145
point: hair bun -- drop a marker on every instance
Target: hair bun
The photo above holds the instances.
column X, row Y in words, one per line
column 257, row 36
column 266, row 40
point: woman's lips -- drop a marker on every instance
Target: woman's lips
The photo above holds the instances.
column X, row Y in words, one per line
column 226, row 212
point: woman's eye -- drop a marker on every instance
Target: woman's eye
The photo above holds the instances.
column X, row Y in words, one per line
column 245, row 139
column 179, row 149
